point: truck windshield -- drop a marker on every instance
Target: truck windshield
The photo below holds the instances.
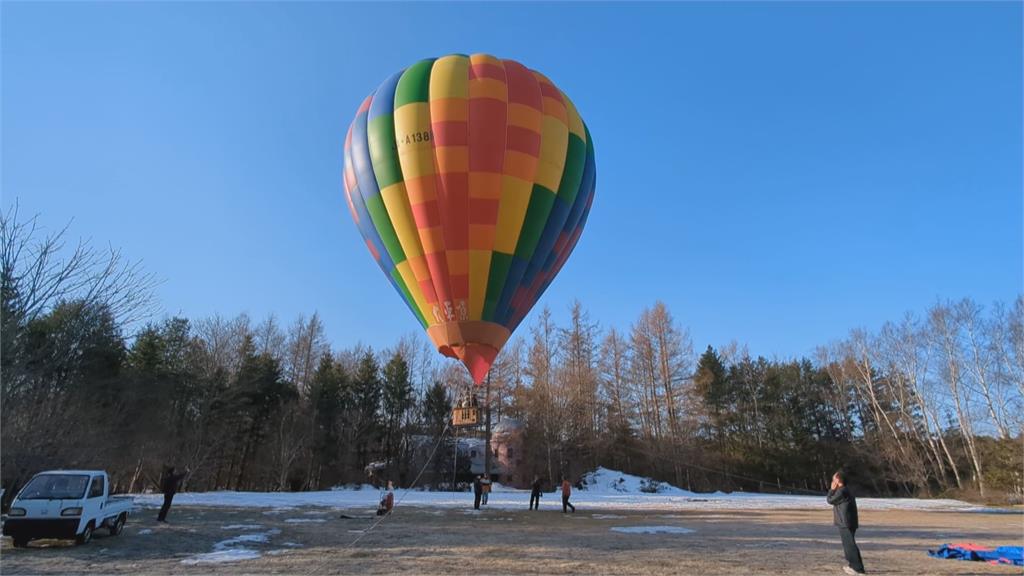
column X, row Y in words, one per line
column 55, row 487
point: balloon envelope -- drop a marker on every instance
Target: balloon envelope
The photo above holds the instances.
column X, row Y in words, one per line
column 470, row 179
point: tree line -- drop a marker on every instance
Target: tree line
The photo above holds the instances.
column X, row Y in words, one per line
column 925, row 405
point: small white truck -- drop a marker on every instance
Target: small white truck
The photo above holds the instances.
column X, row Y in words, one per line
column 66, row 504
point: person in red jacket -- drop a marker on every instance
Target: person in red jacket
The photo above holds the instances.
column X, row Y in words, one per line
column 387, row 503
column 566, row 492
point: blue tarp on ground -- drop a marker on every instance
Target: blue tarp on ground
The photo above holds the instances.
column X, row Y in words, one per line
column 966, row 551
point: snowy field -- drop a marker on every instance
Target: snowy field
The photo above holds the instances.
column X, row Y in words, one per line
column 606, row 490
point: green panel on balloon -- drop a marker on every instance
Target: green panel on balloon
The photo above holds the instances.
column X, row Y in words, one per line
column 500, row 263
column 575, row 160
column 536, row 217
column 382, row 223
column 381, row 138
column 414, row 85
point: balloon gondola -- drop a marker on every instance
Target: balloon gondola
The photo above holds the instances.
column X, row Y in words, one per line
column 466, row 411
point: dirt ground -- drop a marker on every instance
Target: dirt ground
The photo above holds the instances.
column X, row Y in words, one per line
column 432, row 541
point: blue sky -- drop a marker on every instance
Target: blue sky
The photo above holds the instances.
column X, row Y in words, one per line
column 776, row 173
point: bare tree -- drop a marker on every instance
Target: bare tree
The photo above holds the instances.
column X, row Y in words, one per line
column 945, row 331
column 579, row 377
column 1005, row 335
column 222, row 341
column 903, row 351
column 306, row 344
column 546, row 403
column 270, row 339
column 980, row 363
column 614, row 367
column 38, row 270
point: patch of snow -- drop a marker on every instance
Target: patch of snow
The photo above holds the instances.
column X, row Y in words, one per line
column 605, row 481
column 144, row 532
column 606, row 516
column 259, row 537
column 292, row 544
column 242, row 527
column 268, row 512
column 985, row 510
column 232, row 555
column 651, row 530
column 229, row 551
column 304, row 520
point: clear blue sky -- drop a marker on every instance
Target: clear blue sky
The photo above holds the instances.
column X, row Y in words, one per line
column 776, row 173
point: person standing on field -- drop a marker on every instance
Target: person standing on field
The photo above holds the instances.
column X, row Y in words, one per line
column 486, row 489
column 844, row 516
column 387, row 503
column 566, row 492
column 478, row 488
column 169, row 484
column 535, row 494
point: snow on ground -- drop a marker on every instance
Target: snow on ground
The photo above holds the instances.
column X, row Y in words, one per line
column 242, row 527
column 652, row 530
column 606, row 490
column 304, row 520
column 257, row 538
column 605, row 481
column 232, row 555
column 230, row 550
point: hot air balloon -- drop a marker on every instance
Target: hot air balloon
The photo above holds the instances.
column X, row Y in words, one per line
column 470, row 179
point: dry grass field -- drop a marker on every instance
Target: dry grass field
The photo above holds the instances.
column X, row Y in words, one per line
column 425, row 540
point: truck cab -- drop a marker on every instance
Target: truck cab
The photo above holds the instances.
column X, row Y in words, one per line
column 66, row 504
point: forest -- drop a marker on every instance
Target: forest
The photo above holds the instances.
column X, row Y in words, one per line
column 94, row 377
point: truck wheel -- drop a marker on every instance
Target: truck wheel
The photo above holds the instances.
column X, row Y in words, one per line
column 117, row 526
column 85, row 536
column 20, row 542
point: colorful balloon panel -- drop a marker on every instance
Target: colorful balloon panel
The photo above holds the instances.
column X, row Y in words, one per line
column 470, row 179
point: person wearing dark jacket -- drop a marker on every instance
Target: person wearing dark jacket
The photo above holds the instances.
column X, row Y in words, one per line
column 478, row 489
column 169, row 483
column 844, row 516
column 535, row 494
